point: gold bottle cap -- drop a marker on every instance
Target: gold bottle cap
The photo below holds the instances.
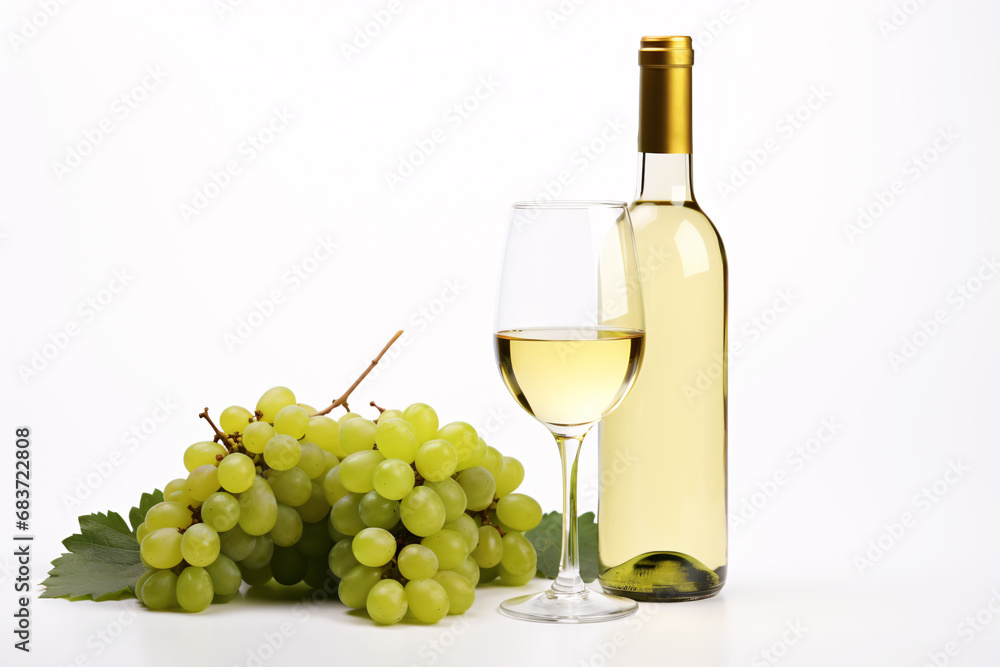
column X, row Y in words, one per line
column 666, row 52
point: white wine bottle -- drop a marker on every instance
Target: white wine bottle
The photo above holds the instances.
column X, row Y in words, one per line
column 662, row 509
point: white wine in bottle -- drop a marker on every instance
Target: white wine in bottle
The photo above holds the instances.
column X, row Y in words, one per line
column 662, row 512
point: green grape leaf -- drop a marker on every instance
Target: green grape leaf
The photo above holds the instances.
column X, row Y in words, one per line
column 103, row 561
column 546, row 537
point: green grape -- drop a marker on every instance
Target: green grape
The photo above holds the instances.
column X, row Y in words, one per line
column 509, row 579
column 174, row 485
column 467, row 527
column 325, row 432
column 386, row 602
column 202, row 482
column 329, row 462
column 282, row 452
column 465, row 440
column 519, row 555
column 223, row 599
column 348, row 417
column 333, row 488
column 162, row 548
column 200, row 545
column 341, row 559
column 479, row 486
column 316, row 508
column 396, row 439
column 225, row 576
column 142, row 580
column 393, row 479
column 180, row 497
column 288, row 566
column 491, row 518
column 310, row 410
column 387, row 415
column 427, row 599
column 256, row 576
column 357, row 435
column 317, row 575
column 358, row 469
column 488, row 552
column 449, row 547
column 345, row 516
column 469, row 569
column 461, row 593
column 379, row 512
column 315, row 542
column 452, row 495
column 257, row 435
column 194, row 589
column 478, row 454
column 273, row 400
column 221, row 511
column 291, row 487
column 374, row 547
column 236, row 544
column 312, row 459
column 488, row 574
column 422, row 512
column 423, row 419
column 203, row 453
column 334, row 534
column 417, row 562
column 160, row 590
column 493, row 461
column 356, row 584
column 519, row 511
column 258, row 508
column 141, row 532
column 235, row 419
column 287, row 528
column 510, row 477
column 167, row 515
column 236, row 472
column 263, row 549
column 436, row 460
column 291, row 420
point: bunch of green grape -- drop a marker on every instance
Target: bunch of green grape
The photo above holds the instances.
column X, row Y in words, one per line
column 403, row 517
column 421, row 515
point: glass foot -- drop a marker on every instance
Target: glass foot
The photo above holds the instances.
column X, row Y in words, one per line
column 587, row 606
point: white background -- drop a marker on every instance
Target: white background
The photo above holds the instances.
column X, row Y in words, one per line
column 423, row 255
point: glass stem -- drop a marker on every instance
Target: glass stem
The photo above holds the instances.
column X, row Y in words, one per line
column 569, row 580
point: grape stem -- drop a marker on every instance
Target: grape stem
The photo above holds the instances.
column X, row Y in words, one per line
column 230, row 444
column 485, row 515
column 343, row 398
column 377, row 407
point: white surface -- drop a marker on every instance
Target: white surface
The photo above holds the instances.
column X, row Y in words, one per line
column 425, row 255
column 801, row 624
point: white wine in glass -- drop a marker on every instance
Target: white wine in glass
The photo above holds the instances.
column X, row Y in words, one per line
column 568, row 266
column 569, row 377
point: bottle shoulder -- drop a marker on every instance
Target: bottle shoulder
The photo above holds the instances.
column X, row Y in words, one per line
column 654, row 218
column 681, row 252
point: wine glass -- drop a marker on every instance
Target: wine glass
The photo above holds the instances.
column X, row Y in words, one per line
column 569, row 342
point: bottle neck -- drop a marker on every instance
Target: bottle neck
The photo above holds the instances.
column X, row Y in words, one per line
column 665, row 124
column 664, row 177
column 665, row 109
